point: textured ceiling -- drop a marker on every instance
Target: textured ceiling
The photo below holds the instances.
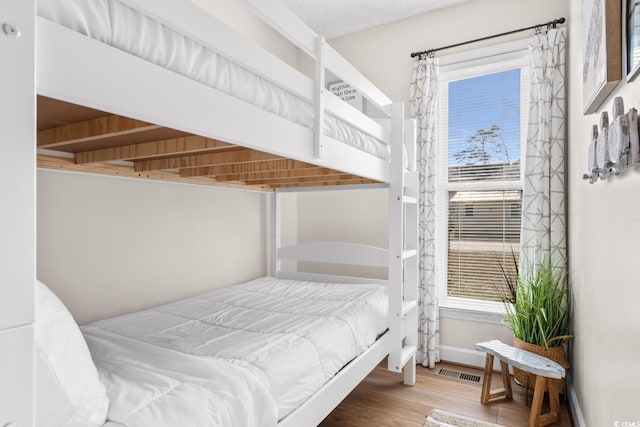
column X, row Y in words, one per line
column 333, row 18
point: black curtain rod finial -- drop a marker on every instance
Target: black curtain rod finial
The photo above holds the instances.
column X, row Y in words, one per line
column 424, row 54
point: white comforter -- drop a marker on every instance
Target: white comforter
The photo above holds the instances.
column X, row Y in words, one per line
column 246, row 355
column 150, row 386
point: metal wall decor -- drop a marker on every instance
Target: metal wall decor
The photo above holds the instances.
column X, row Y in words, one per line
column 615, row 145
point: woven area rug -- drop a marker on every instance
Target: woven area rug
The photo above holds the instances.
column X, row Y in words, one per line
column 440, row 418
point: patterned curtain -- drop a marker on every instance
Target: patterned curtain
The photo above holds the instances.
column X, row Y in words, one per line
column 424, row 84
column 543, row 200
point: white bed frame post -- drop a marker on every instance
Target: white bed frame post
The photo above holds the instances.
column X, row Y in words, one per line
column 319, row 96
column 275, row 227
column 402, row 253
column 17, row 216
column 410, row 205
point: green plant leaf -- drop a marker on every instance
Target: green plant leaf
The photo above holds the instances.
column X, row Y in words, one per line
column 543, row 305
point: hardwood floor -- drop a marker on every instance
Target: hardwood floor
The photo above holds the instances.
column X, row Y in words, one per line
column 382, row 400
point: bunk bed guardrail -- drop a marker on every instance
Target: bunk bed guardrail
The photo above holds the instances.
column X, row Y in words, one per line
column 326, row 252
column 207, row 30
column 327, row 58
column 185, row 18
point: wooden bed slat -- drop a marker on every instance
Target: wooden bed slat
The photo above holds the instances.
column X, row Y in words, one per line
column 355, row 181
column 299, row 173
column 192, row 161
column 58, row 163
column 90, row 130
column 241, row 168
column 173, row 146
column 96, row 141
column 340, row 177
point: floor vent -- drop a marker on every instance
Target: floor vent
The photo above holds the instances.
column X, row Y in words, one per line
column 450, row 373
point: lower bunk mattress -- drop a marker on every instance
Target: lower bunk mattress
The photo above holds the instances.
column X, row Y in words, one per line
column 247, row 355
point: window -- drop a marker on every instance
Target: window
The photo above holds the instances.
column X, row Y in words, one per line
column 481, row 134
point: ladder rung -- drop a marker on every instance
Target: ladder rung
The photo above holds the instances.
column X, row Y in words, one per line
column 407, row 306
column 409, row 253
column 407, row 352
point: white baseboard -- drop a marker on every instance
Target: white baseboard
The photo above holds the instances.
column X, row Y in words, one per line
column 465, row 356
column 574, row 406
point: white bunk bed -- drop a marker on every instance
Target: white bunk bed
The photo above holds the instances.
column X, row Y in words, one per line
column 74, row 70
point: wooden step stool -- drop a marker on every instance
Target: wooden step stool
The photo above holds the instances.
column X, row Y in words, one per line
column 545, row 370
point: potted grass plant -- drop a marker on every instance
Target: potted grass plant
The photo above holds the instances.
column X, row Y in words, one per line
column 539, row 308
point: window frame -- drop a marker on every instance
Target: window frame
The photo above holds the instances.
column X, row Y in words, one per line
column 466, row 65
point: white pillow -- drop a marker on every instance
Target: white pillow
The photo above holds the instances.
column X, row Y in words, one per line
column 67, row 386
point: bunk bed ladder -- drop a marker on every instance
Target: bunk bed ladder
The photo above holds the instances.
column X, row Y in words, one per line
column 403, row 245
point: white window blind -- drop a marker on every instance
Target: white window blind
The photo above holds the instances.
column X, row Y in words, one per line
column 481, row 132
column 483, row 242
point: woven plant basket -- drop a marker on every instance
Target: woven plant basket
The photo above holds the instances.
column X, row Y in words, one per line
column 554, row 353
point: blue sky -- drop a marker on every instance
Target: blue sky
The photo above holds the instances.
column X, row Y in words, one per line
column 480, row 102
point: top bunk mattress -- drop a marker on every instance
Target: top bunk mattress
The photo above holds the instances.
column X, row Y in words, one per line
column 120, row 26
column 278, row 341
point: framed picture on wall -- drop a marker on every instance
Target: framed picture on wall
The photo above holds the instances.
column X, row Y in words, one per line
column 601, row 51
column 632, row 28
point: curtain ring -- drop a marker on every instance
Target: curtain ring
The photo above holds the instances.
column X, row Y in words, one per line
column 538, row 30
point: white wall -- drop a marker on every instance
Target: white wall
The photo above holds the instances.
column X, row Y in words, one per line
column 604, row 243
column 383, row 55
column 108, row 246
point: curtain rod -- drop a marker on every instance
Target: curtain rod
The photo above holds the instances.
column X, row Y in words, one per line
column 539, row 26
